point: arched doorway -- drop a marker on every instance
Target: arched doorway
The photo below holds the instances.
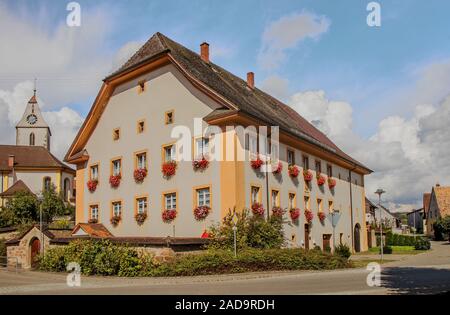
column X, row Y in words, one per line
column 35, row 249
column 307, row 231
column 357, row 237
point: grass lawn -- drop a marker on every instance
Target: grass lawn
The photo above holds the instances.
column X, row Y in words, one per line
column 364, row 262
column 398, row 250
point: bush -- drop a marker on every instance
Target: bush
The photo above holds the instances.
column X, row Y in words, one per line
column 404, row 240
column 422, row 244
column 386, row 250
column 343, row 250
column 2, row 247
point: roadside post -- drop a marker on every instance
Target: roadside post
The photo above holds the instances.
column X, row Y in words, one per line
column 334, row 219
column 235, row 220
column 379, row 192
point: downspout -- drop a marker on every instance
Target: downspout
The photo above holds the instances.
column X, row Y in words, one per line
column 351, row 208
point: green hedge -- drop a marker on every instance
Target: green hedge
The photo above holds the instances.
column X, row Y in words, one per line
column 406, row 240
column 104, row 258
column 2, row 247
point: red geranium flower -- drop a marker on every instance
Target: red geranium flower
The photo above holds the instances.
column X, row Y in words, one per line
column 331, row 182
column 169, row 215
column 200, row 164
column 293, row 171
column 256, row 164
column 257, row 209
column 115, row 220
column 277, row 212
column 140, row 174
column 114, row 180
column 307, row 175
column 322, row 216
column 168, row 168
column 201, row 212
column 309, row 215
column 295, row 213
column 320, row 179
column 92, row 185
column 277, row 168
column 140, row 217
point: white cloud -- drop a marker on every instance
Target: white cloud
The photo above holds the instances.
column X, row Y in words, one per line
column 286, row 33
column 125, row 53
column 276, row 86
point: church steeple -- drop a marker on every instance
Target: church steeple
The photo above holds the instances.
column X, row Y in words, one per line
column 32, row 128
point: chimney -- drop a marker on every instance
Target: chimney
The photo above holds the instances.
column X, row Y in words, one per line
column 11, row 161
column 251, row 80
column 204, row 51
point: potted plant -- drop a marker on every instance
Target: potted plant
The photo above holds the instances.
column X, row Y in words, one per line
column 322, row 216
column 92, row 185
column 114, row 180
column 92, row 221
column 293, row 171
column 139, row 174
column 201, row 212
column 140, row 217
column 169, row 215
column 257, row 209
column 331, row 182
column 307, row 175
column 277, row 168
column 168, row 168
column 115, row 219
column 277, row 212
column 309, row 215
column 320, row 179
column 257, row 163
column 294, row 213
column 200, row 164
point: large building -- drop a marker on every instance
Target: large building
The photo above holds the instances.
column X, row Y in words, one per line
column 29, row 165
column 134, row 124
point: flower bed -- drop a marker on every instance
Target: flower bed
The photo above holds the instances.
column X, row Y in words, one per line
column 257, row 163
column 115, row 220
column 277, row 168
column 200, row 164
column 140, row 217
column 114, row 180
column 140, row 174
column 169, row 168
column 331, row 182
column 293, row 171
column 258, row 209
column 320, row 179
column 294, row 213
column 307, row 175
column 322, row 216
column 277, row 212
column 201, row 212
column 92, row 185
column 169, row 215
column 309, row 215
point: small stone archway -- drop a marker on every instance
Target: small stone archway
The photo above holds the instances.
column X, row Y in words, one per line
column 34, row 251
column 357, row 237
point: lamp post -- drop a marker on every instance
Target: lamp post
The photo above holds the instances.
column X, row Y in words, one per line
column 235, row 221
column 41, row 225
column 379, row 192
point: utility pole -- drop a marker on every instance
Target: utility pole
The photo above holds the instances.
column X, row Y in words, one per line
column 379, row 192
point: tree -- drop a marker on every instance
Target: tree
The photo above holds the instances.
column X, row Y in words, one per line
column 52, row 204
column 22, row 208
column 442, row 226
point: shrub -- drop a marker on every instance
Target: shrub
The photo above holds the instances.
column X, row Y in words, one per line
column 422, row 244
column 386, row 250
column 405, row 240
column 2, row 247
column 343, row 250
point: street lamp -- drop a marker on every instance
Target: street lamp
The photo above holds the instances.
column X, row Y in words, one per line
column 40, row 199
column 235, row 221
column 379, row 192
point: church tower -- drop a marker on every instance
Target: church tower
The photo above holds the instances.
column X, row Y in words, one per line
column 32, row 128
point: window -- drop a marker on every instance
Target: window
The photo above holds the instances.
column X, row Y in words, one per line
column 329, row 170
column 330, row 206
column 66, row 189
column 141, row 86
column 141, row 160
column 318, row 167
column 169, row 153
column 274, row 151
column 93, row 211
column 170, row 201
column 94, row 172
column 47, row 183
column 117, row 208
column 252, row 143
column 203, row 197
column 141, row 205
column 306, row 201
column 275, row 198
column 201, row 147
column 292, row 201
column 290, row 157
column 32, row 138
column 116, row 134
column 255, row 194
column 305, row 162
column 319, row 205
column 140, row 126
column 116, row 166
column 169, row 117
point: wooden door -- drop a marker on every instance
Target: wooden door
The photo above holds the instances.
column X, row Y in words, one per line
column 306, row 236
column 35, row 250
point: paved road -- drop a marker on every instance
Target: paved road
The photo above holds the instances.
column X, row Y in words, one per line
column 417, row 274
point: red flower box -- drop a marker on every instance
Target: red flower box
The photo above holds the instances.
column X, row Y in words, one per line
column 93, row 221
column 168, row 169
column 309, row 215
column 295, row 213
column 258, row 209
column 256, row 164
column 322, row 216
column 307, row 175
column 115, row 220
column 201, row 212
column 140, row 174
column 205, row 235
column 200, row 164
column 140, row 217
column 169, row 215
column 92, row 185
column 320, row 180
column 114, row 180
column 277, row 168
column 277, row 212
column 293, row 171
column 331, row 182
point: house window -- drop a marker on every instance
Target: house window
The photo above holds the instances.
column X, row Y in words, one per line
column 141, row 86
column 93, row 212
column 252, row 142
column 141, row 160
column 318, row 167
column 66, row 189
column 255, row 194
column 170, row 201
column 274, row 151
column 94, row 172
column 117, row 208
column 47, row 183
column 116, row 167
column 290, row 157
column 275, row 198
column 32, row 138
column 140, row 126
column 203, row 197
column 319, row 205
column 201, row 147
column 292, row 200
column 305, row 162
column 169, row 117
column 329, row 170
column 330, row 206
column 141, row 205
column 116, row 134
column 306, row 202
column 169, row 153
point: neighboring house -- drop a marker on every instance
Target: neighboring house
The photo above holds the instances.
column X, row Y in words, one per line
column 439, row 206
column 389, row 219
column 426, row 206
column 370, row 223
column 29, row 165
column 415, row 220
column 165, row 85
